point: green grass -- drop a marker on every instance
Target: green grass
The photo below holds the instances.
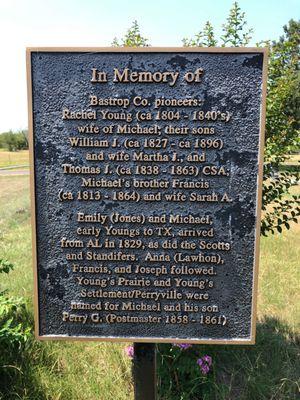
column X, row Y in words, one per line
column 76, row 371
column 54, row 370
column 279, row 294
column 12, row 158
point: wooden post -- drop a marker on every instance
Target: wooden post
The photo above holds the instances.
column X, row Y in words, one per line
column 144, row 371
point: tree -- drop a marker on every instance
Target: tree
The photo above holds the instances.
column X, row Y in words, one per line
column 132, row 38
column 14, row 141
column 282, row 112
column 234, row 31
column 205, row 38
column 282, row 130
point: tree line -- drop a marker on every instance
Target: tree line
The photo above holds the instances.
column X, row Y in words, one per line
column 14, row 141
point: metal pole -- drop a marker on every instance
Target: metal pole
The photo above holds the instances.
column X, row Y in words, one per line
column 144, row 371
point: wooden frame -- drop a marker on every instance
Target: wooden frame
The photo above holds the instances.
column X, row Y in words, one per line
column 263, row 51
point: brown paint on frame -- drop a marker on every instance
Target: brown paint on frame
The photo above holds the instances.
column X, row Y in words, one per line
column 261, row 50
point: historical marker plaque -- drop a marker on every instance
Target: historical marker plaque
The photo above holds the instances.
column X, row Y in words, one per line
column 146, row 174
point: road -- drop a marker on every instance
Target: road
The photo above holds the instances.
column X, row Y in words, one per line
column 5, row 172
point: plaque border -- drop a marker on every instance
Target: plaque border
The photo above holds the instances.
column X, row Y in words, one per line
column 264, row 52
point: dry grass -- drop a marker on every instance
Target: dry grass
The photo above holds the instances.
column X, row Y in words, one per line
column 13, row 158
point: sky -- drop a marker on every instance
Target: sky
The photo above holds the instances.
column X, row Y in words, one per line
column 25, row 23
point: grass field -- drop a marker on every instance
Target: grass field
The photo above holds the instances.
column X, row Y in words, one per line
column 76, row 371
column 13, row 158
column 9, row 158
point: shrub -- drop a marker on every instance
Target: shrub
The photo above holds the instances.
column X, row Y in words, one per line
column 15, row 329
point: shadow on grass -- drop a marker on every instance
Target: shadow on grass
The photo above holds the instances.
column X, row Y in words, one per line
column 266, row 371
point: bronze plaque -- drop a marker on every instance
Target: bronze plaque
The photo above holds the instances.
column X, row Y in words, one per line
column 146, row 169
